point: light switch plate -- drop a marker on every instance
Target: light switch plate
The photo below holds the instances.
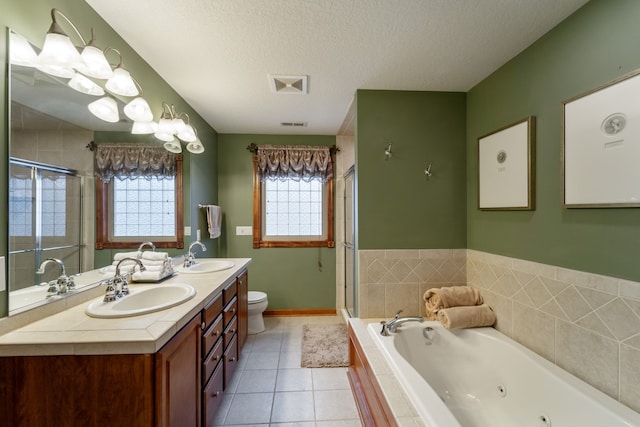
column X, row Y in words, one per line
column 245, row 230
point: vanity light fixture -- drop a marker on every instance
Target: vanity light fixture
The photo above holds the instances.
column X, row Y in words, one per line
column 173, row 146
column 59, row 56
column 171, row 125
column 105, row 109
column 121, row 82
column 95, row 63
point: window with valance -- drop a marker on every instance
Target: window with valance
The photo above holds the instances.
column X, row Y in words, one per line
column 293, row 196
column 138, row 196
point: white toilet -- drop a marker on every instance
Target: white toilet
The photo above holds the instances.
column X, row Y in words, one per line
column 257, row 305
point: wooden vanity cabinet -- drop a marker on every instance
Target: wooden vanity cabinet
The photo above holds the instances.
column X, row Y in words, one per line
column 225, row 326
column 178, row 378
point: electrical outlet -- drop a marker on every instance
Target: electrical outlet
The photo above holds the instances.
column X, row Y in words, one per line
column 198, row 234
column 3, row 285
column 246, row 230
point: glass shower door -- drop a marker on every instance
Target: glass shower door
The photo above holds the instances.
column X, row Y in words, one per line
column 45, row 221
column 349, row 244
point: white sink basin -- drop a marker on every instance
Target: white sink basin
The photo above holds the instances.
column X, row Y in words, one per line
column 142, row 301
column 207, row 267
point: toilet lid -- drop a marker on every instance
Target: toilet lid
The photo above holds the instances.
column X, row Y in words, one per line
column 256, row 296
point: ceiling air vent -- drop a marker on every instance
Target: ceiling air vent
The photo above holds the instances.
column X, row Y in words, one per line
column 294, row 124
column 293, row 85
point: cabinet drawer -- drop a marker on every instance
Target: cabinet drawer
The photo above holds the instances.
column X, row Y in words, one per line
column 230, row 361
column 212, row 395
column 229, row 292
column 211, row 310
column 230, row 310
column 230, row 332
column 211, row 361
column 211, row 335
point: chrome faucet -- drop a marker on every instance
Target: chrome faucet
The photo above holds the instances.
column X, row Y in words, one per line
column 190, row 258
column 392, row 325
column 119, row 285
column 150, row 244
column 62, row 284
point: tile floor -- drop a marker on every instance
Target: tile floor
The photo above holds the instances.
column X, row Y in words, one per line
column 270, row 388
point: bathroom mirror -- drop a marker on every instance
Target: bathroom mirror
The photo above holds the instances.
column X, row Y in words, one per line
column 51, row 184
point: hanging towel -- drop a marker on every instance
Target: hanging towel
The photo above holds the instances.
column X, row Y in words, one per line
column 214, row 219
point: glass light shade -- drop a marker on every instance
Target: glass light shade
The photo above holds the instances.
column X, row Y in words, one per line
column 95, row 64
column 195, row 147
column 58, row 56
column 105, row 109
column 165, row 126
column 144, row 128
column 187, row 134
column 173, row 146
column 21, row 52
column 85, row 85
column 178, row 124
column 138, row 110
column 163, row 136
column 121, row 83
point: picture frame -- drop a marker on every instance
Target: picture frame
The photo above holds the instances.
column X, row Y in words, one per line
column 506, row 169
column 601, row 146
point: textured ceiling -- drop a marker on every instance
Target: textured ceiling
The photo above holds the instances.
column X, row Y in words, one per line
column 218, row 54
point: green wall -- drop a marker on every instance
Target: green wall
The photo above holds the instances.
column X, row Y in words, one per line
column 32, row 18
column 595, row 45
column 398, row 207
column 290, row 276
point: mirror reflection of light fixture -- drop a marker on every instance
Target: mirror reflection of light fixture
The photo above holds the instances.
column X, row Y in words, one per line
column 195, row 146
column 85, row 85
column 187, row 133
column 21, row 51
column 105, row 109
column 144, row 128
column 138, row 110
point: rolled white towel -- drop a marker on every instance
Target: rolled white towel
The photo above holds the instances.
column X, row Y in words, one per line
column 146, row 263
column 154, row 256
column 148, row 276
column 121, row 255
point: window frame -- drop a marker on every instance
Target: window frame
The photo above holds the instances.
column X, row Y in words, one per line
column 282, row 242
column 103, row 219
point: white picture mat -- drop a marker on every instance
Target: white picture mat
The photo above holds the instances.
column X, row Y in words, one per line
column 504, row 185
column 602, row 169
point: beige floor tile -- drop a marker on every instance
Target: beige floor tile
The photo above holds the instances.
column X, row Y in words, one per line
column 290, row 406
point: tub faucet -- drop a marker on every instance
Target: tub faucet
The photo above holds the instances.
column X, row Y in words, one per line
column 62, row 284
column 190, row 258
column 392, row 325
column 119, row 285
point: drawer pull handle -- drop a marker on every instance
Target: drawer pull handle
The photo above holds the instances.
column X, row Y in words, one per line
column 232, row 331
column 232, row 359
column 233, row 310
column 216, row 394
column 216, row 333
column 203, row 325
column 216, row 358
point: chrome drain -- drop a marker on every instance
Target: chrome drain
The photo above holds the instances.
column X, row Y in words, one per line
column 502, row 391
column 544, row 421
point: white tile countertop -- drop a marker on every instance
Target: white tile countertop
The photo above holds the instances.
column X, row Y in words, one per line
column 72, row 331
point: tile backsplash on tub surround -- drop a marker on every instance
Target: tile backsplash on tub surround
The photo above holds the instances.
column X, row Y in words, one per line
column 585, row 323
column 390, row 280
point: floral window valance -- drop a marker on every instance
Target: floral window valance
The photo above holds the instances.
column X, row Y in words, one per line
column 133, row 161
column 295, row 162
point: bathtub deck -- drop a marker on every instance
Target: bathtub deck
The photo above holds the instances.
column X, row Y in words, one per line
column 403, row 410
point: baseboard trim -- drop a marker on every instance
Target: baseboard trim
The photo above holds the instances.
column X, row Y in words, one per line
column 301, row 312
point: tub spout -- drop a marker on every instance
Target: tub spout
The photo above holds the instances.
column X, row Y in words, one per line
column 392, row 325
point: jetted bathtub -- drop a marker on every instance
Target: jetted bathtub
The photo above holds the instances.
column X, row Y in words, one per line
column 481, row 378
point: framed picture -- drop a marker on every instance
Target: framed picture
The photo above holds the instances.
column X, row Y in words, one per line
column 506, row 172
column 601, row 146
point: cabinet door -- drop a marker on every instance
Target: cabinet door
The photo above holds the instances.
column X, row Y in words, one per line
column 243, row 309
column 178, row 378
